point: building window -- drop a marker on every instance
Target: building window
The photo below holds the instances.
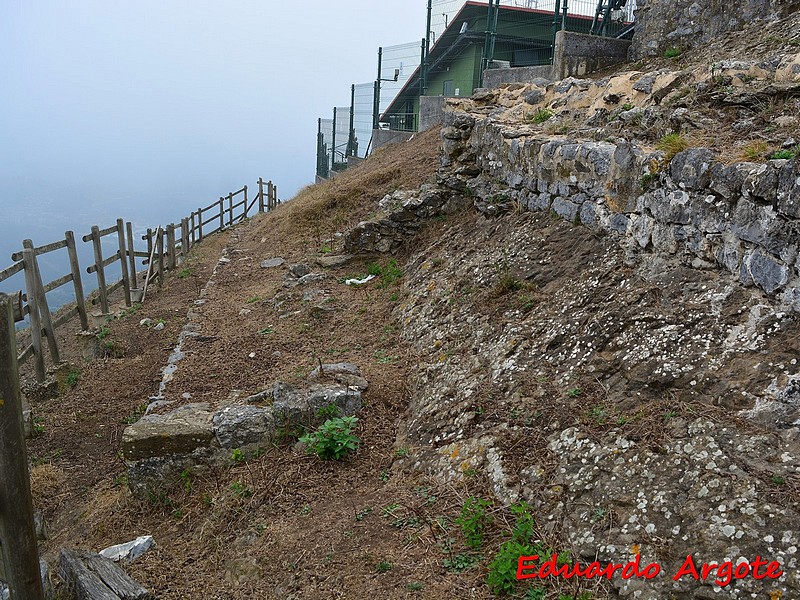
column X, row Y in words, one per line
column 447, row 88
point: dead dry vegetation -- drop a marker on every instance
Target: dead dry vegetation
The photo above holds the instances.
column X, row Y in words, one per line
column 282, row 523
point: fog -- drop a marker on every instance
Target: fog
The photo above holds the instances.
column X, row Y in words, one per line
column 147, row 109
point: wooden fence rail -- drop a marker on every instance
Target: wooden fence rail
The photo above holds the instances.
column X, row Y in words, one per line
column 167, row 248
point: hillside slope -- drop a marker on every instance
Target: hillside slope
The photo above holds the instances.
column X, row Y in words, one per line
column 555, row 367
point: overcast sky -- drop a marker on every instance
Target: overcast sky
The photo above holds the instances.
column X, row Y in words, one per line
column 146, row 109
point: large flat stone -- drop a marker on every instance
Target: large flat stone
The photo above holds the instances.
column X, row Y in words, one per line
column 178, row 432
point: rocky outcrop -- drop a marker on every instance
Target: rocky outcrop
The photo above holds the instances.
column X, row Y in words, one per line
column 661, row 24
column 159, row 447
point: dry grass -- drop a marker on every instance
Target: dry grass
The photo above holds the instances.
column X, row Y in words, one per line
column 321, row 209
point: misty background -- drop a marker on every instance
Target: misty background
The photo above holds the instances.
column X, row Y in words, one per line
column 147, row 109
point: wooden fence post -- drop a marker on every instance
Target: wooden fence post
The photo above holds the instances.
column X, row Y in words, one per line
column 185, row 238
column 160, row 250
column 171, row 246
column 36, row 324
column 230, row 209
column 123, row 264
column 77, row 285
column 245, row 201
column 269, row 195
column 221, row 213
column 199, row 224
column 260, row 195
column 41, row 304
column 17, row 532
column 101, row 273
column 131, row 255
column 275, row 193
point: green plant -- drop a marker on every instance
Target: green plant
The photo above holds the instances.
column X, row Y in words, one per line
column 38, row 426
column 785, row 154
column 778, row 479
column 186, row 477
column 671, row 144
column 415, row 586
column 103, row 333
column 755, row 151
column 574, row 392
column 237, row 455
column 384, row 476
column 388, row 273
column 524, row 524
column 647, row 180
column 541, row 115
column 627, row 106
column 383, row 566
column 473, row 520
column 185, row 272
column 73, row 377
column 459, row 563
column 265, row 331
column 672, row 52
column 401, row 452
column 506, row 281
column 136, row 414
column 253, row 299
column 502, row 577
column 334, row 439
column 240, row 490
column 328, row 412
column 361, row 515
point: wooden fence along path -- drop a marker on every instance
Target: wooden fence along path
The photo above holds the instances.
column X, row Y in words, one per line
column 167, row 247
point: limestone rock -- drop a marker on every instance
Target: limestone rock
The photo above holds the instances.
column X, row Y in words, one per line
column 178, row 432
column 271, row 263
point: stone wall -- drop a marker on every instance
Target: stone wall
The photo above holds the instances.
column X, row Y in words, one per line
column 577, row 54
column 661, row 24
column 743, row 218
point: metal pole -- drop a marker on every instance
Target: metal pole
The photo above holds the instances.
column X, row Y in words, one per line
column 564, row 18
column 377, row 108
column 351, row 142
column 19, row 550
column 333, row 142
column 425, row 63
column 423, row 73
column 556, row 17
column 486, row 42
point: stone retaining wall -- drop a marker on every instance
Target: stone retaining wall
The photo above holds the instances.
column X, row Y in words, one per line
column 744, row 217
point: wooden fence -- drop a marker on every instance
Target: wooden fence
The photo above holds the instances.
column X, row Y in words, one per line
column 167, row 247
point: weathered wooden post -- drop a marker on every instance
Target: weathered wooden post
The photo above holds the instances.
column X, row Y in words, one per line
column 36, row 324
column 77, row 285
column 131, row 255
column 230, row 209
column 199, row 224
column 171, row 247
column 99, row 269
column 185, row 238
column 123, row 264
column 275, row 194
column 19, row 550
column 269, row 195
column 221, row 213
column 160, row 251
column 41, row 304
column 260, row 195
column 245, row 201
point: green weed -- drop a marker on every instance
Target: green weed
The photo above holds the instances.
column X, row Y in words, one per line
column 333, row 440
column 473, row 520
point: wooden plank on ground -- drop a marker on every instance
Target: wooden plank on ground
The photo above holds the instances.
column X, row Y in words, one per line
column 93, row 577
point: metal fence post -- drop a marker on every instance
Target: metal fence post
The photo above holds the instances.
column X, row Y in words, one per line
column 17, row 532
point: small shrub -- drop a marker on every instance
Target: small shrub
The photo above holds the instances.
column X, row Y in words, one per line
column 240, row 490
column 383, row 566
column 785, row 154
column 388, row 273
column 333, row 440
column 237, row 455
column 627, row 106
column 755, row 151
column 671, row 144
column 185, row 272
column 473, row 520
column 541, row 115
column 672, row 52
column 460, row 562
column 103, row 333
column 502, row 577
column 73, row 377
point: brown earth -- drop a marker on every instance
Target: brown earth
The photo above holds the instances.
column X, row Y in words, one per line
column 284, row 524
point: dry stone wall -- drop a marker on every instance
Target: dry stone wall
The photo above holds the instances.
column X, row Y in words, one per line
column 743, row 218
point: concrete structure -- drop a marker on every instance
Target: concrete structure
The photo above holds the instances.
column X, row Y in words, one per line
column 575, row 55
column 431, row 111
column 384, row 137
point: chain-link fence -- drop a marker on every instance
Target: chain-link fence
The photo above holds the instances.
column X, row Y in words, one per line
column 324, row 145
column 363, row 117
